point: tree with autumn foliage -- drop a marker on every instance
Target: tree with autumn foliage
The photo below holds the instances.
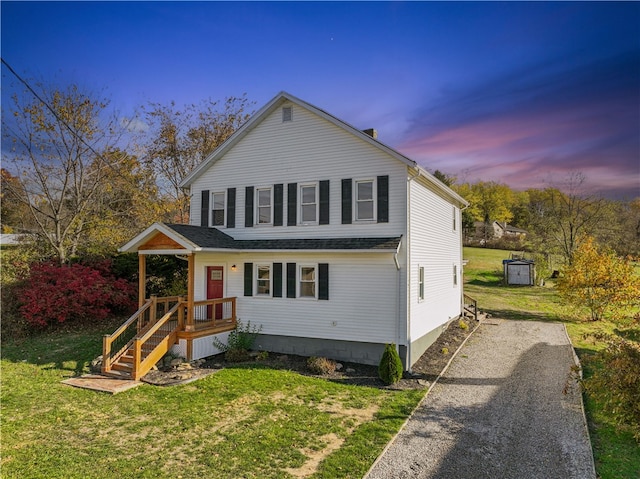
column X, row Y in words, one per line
column 489, row 201
column 57, row 143
column 599, row 282
column 179, row 139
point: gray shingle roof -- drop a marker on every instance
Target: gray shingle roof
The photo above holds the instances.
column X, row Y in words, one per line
column 216, row 239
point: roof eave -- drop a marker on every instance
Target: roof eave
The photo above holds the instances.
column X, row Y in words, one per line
column 140, row 239
column 267, row 109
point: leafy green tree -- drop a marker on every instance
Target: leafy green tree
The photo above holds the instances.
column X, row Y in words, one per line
column 623, row 234
column 599, row 282
column 180, row 139
column 448, row 180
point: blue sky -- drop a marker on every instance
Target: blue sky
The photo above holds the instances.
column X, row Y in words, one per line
column 515, row 92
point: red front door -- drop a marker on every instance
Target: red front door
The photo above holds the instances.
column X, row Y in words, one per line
column 215, row 289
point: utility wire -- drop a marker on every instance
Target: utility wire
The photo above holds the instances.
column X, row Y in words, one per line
column 61, row 120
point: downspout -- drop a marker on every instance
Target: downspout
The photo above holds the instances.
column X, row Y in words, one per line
column 462, row 263
column 398, row 295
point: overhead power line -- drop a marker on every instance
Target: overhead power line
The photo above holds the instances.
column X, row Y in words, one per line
column 61, row 120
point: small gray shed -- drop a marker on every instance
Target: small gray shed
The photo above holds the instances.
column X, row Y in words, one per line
column 519, row 271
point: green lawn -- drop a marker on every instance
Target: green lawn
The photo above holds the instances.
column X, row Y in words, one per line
column 245, row 422
column 617, row 454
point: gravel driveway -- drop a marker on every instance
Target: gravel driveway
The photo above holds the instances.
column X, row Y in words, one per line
column 507, row 407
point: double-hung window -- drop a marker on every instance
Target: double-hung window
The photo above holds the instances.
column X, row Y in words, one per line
column 309, row 204
column 264, row 206
column 365, row 200
column 217, row 211
column 307, row 282
column 263, row 280
column 421, row 283
column 455, row 275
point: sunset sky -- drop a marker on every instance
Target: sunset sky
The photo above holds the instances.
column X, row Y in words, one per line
column 514, row 92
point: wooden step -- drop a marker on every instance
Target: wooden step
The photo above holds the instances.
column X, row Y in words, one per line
column 126, row 367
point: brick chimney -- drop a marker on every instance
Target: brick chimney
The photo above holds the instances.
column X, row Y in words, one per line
column 372, row 132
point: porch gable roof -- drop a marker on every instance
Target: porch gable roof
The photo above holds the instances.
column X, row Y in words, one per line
column 198, row 238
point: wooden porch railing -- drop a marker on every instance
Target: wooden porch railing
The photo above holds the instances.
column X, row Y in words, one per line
column 213, row 313
column 151, row 331
column 149, row 348
column 470, row 306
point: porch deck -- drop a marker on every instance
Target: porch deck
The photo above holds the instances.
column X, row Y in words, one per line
column 136, row 346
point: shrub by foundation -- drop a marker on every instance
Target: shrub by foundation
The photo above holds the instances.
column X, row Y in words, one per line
column 390, row 367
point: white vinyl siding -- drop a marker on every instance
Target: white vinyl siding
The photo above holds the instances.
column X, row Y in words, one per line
column 307, row 150
column 363, row 299
column 437, row 248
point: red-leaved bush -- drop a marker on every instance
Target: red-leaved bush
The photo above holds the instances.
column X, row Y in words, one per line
column 56, row 294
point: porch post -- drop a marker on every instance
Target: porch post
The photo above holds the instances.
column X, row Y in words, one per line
column 142, row 279
column 190, row 326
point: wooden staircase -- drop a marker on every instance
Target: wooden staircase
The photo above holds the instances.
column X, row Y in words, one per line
column 150, row 339
column 123, row 366
column 470, row 307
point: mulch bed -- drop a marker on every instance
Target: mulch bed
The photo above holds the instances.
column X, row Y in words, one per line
column 424, row 371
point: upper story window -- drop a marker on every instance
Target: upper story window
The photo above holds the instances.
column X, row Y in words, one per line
column 365, row 200
column 264, row 202
column 308, row 204
column 218, row 209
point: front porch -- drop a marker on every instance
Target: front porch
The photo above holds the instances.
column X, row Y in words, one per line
column 164, row 322
column 159, row 324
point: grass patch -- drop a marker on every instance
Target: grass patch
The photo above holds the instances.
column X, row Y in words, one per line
column 249, row 421
column 616, row 453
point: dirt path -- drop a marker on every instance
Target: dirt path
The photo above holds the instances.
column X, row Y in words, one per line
column 508, row 407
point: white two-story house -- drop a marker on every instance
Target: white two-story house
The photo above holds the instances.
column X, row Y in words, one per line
column 332, row 242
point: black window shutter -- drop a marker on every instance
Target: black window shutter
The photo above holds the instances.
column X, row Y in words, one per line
column 248, row 279
column 347, row 198
column 324, row 202
column 248, row 207
column 278, row 206
column 383, row 199
column 231, row 208
column 204, row 209
column 277, row 280
column 291, row 280
column 292, row 204
column 323, row 281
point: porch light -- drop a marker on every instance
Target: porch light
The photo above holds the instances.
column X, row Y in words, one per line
column 233, row 267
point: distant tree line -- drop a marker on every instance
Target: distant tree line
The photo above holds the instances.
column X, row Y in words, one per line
column 557, row 219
